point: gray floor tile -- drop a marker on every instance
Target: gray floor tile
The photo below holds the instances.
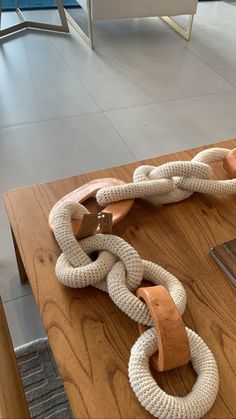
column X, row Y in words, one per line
column 36, row 84
column 217, row 13
column 50, row 150
column 6, row 245
column 213, row 38
column 135, row 63
column 217, row 48
column 23, row 320
column 172, row 126
column 10, row 286
column 8, row 19
column 214, row 14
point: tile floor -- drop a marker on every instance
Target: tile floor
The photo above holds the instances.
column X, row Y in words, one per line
column 144, row 91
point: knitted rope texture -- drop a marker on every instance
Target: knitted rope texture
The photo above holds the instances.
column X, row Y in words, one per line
column 119, row 270
column 154, row 399
column 173, row 181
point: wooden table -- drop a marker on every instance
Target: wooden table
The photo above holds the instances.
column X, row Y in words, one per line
column 90, row 337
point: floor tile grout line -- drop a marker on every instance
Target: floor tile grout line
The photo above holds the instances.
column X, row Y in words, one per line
column 208, row 65
column 146, row 104
column 17, row 298
column 187, row 46
column 189, row 49
column 24, row 124
column 156, row 102
column 76, row 74
column 104, row 111
column 52, row 42
column 135, row 106
column 122, row 139
column 91, row 96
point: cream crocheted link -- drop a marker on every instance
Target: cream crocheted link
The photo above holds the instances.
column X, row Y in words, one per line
column 154, row 399
column 119, row 270
column 173, row 181
column 74, row 267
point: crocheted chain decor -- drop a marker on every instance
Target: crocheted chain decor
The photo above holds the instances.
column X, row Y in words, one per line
column 119, row 270
column 173, row 181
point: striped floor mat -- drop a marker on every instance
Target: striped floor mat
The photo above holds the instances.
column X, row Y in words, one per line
column 42, row 383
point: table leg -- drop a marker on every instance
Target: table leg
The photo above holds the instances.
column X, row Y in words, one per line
column 13, row 403
column 21, row 268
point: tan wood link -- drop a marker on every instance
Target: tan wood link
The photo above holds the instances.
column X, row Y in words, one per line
column 229, row 163
column 12, row 398
column 89, row 190
column 173, row 345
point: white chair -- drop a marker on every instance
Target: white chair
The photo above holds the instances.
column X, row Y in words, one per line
column 120, row 9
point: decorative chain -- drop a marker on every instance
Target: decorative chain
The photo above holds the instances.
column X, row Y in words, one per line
column 119, row 270
column 173, row 181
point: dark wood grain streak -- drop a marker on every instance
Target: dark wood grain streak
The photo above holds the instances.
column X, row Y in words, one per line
column 90, row 337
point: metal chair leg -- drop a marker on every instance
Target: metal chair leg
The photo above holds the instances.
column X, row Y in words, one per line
column 24, row 24
column 87, row 38
column 185, row 32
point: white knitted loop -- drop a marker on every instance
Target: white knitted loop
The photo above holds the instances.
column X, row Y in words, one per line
column 75, row 254
column 186, row 176
column 70, row 265
column 133, row 306
column 162, row 405
column 62, row 228
column 82, row 276
column 122, row 278
column 117, row 247
column 172, row 169
column 134, row 190
column 211, row 155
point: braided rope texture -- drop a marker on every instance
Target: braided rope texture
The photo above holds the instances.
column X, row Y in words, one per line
column 173, row 181
column 119, row 271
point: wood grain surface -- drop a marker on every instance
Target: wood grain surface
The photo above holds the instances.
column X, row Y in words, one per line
column 13, row 404
column 90, row 337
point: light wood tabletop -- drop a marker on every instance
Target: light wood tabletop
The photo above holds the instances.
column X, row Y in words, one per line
column 90, row 337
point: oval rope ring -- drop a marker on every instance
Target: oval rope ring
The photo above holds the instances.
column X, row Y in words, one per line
column 162, row 405
column 110, row 247
column 74, row 267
